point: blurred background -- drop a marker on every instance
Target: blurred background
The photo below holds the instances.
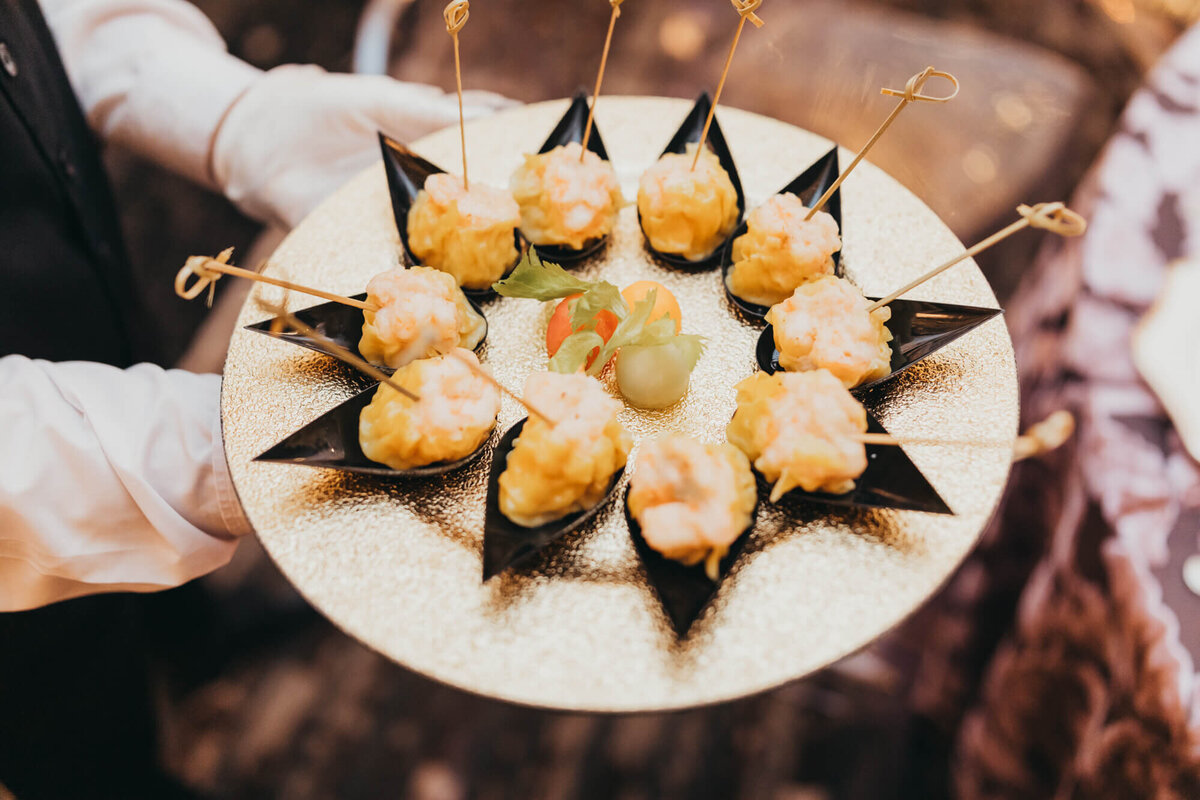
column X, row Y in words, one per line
column 263, row 698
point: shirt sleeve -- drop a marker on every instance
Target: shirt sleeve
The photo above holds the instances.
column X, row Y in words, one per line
column 151, row 75
column 111, row 480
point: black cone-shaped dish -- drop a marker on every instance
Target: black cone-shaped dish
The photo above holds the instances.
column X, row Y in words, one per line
column 341, row 323
column 919, row 329
column 571, row 129
column 331, row 442
column 809, row 186
column 684, row 591
column 689, row 133
column 406, row 176
column 891, row 480
column 507, row 544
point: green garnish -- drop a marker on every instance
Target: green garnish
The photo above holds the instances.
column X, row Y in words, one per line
column 534, row 279
column 573, row 352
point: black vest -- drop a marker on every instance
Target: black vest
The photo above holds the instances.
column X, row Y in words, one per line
column 66, row 289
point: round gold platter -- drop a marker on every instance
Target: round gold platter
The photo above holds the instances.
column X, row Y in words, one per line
column 397, row 564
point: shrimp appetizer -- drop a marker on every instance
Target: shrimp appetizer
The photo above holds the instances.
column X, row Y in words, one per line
column 564, row 468
column 780, row 250
column 692, row 500
column 800, row 429
column 684, row 211
column 826, row 324
column 413, row 303
column 455, row 415
column 565, row 201
column 468, row 234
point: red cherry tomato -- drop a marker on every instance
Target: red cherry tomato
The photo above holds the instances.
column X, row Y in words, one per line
column 560, row 327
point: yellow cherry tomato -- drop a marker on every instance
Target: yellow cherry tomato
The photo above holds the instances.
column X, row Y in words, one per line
column 665, row 304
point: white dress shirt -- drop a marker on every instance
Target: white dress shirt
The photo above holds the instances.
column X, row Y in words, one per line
column 116, row 480
column 111, row 480
column 152, row 76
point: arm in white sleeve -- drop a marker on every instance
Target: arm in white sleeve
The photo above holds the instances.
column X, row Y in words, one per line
column 151, row 75
column 154, row 76
column 111, row 480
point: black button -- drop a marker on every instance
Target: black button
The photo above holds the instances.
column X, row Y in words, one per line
column 7, row 61
column 67, row 165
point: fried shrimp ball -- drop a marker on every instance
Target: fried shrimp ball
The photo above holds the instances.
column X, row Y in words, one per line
column 687, row 212
column 468, row 234
column 558, row 469
column 826, row 325
column 692, row 500
column 565, row 201
column 781, row 251
column 415, row 303
column 456, row 413
column 800, row 429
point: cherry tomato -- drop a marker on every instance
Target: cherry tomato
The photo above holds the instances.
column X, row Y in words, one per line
column 665, row 304
column 560, row 327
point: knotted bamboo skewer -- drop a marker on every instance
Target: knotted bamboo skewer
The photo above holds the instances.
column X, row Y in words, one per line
column 456, row 15
column 745, row 10
column 911, row 93
column 284, row 318
column 1053, row 217
column 612, row 23
column 1043, row 437
column 208, row 271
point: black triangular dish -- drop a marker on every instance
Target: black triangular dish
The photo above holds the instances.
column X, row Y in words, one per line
column 808, row 186
column 570, row 129
column 339, row 322
column 506, row 544
column 406, row 176
column 331, row 442
column 919, row 329
column 689, row 133
column 891, row 480
column 684, row 591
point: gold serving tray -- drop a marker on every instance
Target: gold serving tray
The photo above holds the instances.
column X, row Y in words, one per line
column 397, row 564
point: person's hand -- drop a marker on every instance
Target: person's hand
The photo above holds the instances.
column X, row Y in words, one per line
column 299, row 133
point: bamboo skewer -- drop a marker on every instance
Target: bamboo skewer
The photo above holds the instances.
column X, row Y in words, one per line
column 286, row 318
column 910, row 94
column 1053, row 217
column 1047, row 435
column 487, row 376
column 209, row 270
column 456, row 15
column 745, row 10
column 612, row 23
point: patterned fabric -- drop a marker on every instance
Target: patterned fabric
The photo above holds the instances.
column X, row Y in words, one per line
column 1094, row 695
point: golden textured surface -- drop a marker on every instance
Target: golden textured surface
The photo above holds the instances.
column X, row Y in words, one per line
column 397, row 564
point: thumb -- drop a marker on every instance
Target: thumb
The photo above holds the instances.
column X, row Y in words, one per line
column 408, row 114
